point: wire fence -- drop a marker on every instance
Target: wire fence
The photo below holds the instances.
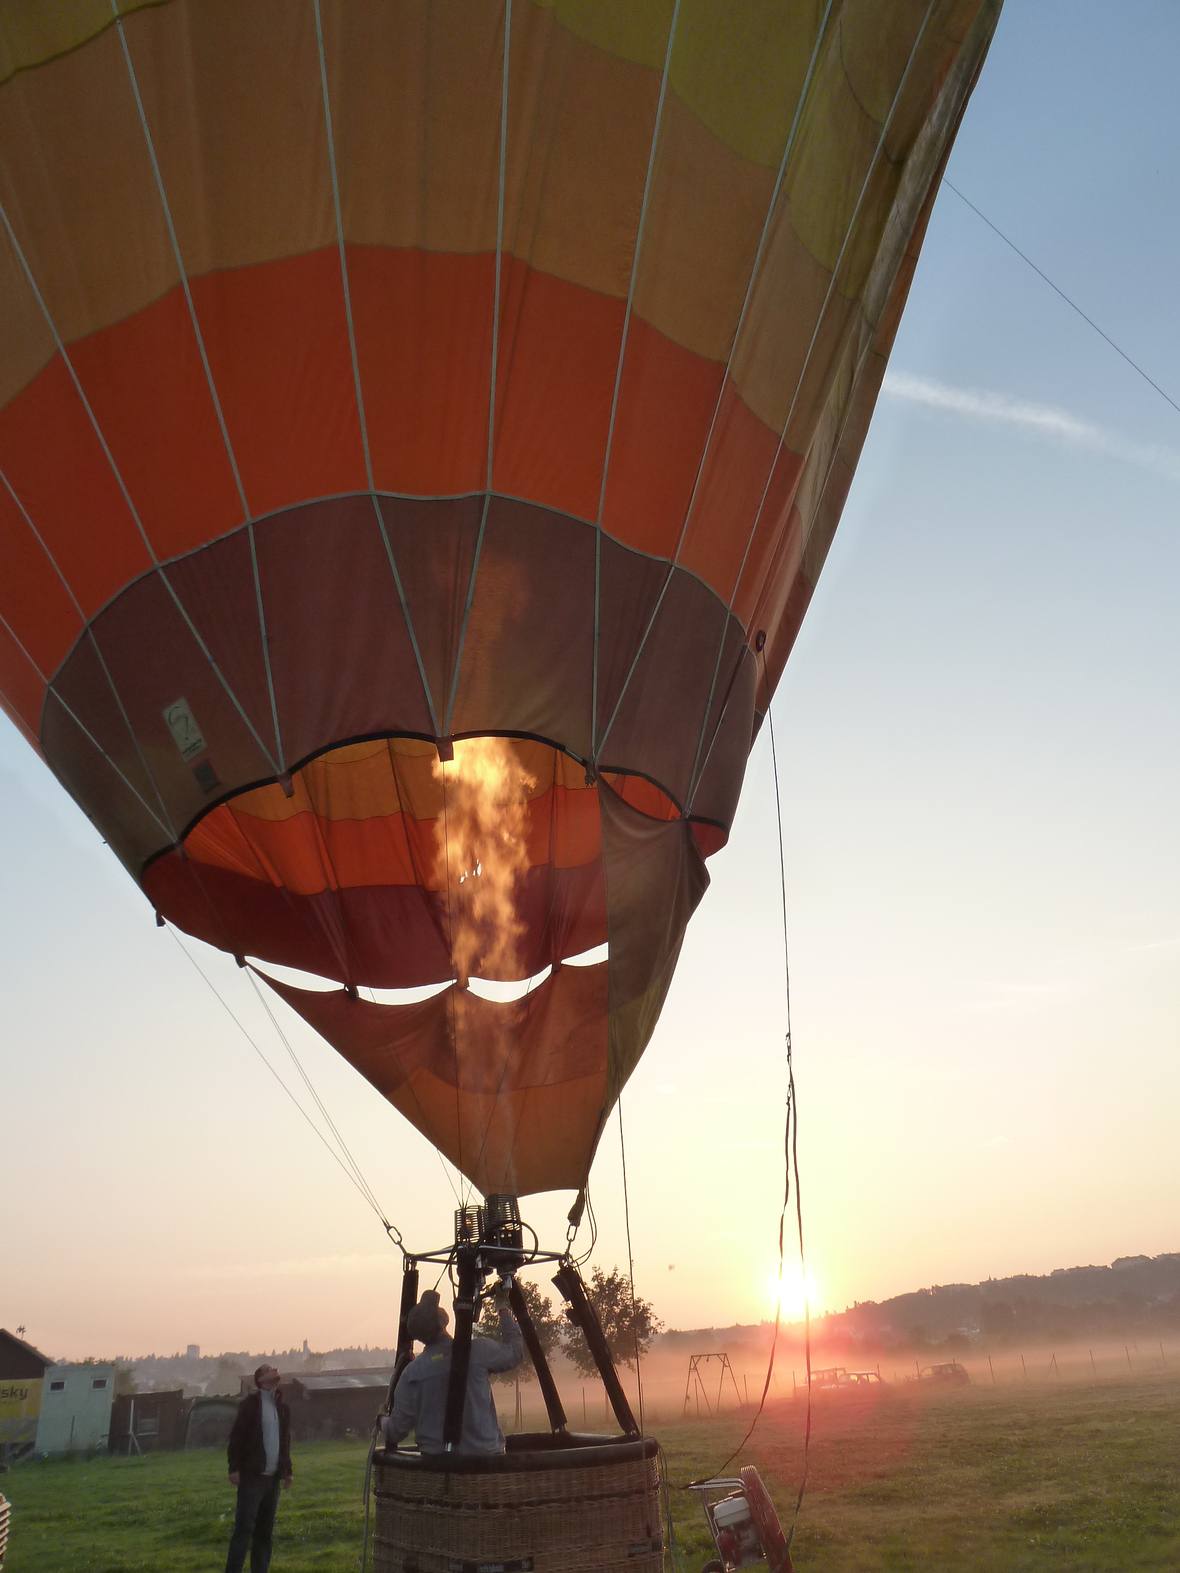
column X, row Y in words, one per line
column 670, row 1397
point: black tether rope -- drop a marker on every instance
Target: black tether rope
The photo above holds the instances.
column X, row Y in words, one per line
column 791, row 1133
column 790, row 1156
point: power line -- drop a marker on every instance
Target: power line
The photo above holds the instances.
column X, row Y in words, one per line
column 1057, row 290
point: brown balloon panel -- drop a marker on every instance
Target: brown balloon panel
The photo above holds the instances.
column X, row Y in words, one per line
column 345, row 619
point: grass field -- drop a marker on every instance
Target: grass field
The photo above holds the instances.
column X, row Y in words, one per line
column 1066, row 1475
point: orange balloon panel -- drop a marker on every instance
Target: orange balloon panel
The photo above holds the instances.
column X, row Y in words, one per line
column 422, row 426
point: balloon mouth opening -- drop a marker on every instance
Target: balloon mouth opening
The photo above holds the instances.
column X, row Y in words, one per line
column 494, row 990
column 400, row 863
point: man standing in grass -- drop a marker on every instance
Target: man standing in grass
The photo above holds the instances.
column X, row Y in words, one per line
column 259, row 1459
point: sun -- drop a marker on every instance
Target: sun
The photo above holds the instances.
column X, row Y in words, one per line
column 796, row 1292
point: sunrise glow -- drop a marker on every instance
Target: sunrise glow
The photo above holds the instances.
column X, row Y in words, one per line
column 796, row 1292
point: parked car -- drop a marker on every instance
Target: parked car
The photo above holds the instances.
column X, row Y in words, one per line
column 949, row 1371
column 838, row 1378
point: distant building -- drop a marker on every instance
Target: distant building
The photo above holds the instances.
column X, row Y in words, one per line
column 75, row 1408
column 193, row 1352
column 22, row 1375
column 51, row 1408
column 146, row 1422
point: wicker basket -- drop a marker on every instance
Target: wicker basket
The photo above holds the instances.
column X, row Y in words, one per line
column 570, row 1505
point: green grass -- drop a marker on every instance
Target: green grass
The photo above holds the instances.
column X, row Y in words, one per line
column 1067, row 1476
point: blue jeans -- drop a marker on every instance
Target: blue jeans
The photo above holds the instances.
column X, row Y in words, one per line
column 254, row 1522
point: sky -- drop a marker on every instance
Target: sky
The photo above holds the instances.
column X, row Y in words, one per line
column 980, row 766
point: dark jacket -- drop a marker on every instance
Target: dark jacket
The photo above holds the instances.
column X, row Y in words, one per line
column 246, row 1453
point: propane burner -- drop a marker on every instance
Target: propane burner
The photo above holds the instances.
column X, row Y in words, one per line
column 496, row 1229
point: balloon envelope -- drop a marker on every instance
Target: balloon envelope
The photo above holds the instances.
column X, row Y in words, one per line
column 381, row 373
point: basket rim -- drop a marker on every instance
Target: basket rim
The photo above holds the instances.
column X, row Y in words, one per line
column 528, row 1453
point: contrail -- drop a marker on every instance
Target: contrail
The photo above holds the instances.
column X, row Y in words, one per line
column 1046, row 420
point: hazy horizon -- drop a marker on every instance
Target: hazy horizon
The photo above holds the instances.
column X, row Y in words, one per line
column 792, row 1327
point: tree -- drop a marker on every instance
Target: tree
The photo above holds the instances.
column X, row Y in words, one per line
column 549, row 1325
column 998, row 1319
column 629, row 1325
column 227, row 1375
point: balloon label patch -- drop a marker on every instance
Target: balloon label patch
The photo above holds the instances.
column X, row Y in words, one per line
column 186, row 734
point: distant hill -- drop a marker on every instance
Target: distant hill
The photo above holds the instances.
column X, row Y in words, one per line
column 1134, row 1294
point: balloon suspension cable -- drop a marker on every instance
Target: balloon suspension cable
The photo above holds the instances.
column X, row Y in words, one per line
column 592, row 1247
column 790, row 1157
column 354, row 1166
column 630, row 1264
column 353, row 1174
column 574, row 1228
column 445, row 1272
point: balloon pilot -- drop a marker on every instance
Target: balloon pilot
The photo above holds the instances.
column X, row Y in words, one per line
column 420, row 1398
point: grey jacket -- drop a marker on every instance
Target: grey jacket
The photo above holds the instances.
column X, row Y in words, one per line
column 420, row 1401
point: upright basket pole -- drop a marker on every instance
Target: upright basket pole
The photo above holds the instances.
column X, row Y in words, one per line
column 569, row 1284
column 405, row 1344
column 553, row 1405
column 466, row 1261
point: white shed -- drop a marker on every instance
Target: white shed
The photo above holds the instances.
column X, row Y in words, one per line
column 75, row 1408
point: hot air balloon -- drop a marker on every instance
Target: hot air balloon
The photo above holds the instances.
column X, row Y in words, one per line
column 422, row 427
